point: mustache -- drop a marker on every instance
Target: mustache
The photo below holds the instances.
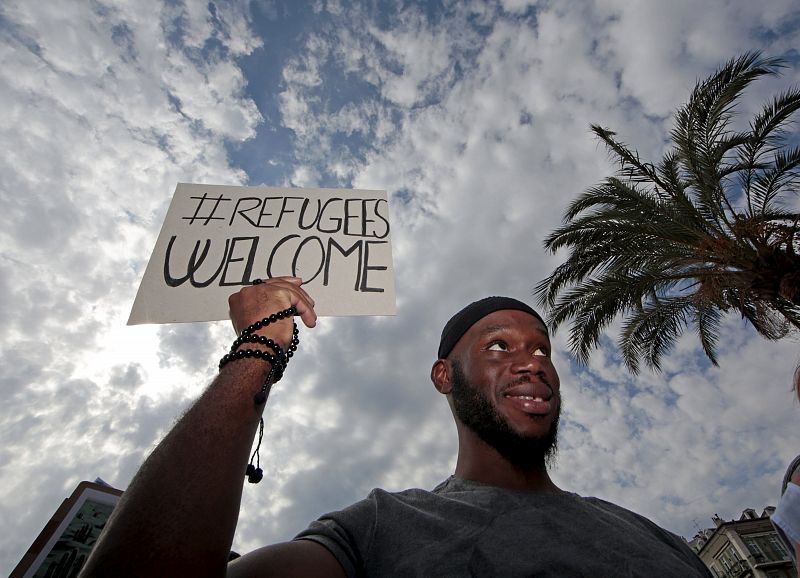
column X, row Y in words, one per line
column 527, row 379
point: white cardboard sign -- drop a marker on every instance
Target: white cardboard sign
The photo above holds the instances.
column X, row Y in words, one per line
column 217, row 239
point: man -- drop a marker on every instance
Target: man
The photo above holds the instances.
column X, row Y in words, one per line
column 499, row 515
column 786, row 518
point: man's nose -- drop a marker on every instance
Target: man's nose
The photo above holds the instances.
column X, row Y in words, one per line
column 525, row 362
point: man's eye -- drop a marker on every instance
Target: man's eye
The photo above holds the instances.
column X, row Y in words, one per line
column 541, row 351
column 498, row 346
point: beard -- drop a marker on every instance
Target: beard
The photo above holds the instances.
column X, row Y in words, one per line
column 473, row 408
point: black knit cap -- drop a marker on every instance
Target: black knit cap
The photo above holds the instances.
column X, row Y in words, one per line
column 474, row 312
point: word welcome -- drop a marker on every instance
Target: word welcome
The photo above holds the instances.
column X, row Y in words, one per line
column 233, row 264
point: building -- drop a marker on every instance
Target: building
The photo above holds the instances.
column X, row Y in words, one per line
column 744, row 548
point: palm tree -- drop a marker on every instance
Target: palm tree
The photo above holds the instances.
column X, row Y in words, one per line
column 705, row 232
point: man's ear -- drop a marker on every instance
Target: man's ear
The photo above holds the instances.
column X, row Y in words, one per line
column 440, row 376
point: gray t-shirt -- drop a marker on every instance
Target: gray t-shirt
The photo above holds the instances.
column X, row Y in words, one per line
column 465, row 528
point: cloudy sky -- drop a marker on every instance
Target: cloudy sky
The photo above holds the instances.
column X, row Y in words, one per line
column 474, row 117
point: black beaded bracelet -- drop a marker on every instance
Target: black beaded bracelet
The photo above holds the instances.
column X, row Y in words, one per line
column 278, row 363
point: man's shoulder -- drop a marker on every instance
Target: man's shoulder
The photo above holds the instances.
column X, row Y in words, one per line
column 380, row 499
column 611, row 507
column 409, row 494
column 644, row 524
column 624, row 513
column 383, row 499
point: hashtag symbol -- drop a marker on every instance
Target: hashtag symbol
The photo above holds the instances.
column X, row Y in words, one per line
column 210, row 216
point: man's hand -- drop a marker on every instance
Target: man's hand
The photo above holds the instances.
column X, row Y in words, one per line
column 256, row 302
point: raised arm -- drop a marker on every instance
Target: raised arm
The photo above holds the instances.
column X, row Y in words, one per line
column 178, row 516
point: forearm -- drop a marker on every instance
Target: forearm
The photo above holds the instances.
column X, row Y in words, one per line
column 179, row 514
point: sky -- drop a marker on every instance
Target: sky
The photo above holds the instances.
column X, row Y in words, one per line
column 474, row 117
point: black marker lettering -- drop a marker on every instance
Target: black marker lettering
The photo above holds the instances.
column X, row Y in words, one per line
column 337, row 220
column 284, row 210
column 245, row 279
column 193, row 267
column 242, row 212
column 345, row 254
column 348, row 217
column 367, row 268
column 365, row 218
column 168, row 278
column 297, row 256
column 210, row 216
column 194, row 264
column 301, row 223
column 382, row 218
column 275, row 250
column 264, row 213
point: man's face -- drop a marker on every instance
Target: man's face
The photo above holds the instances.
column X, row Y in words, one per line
column 505, row 387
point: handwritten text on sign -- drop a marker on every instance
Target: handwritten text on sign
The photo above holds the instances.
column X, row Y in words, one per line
column 216, row 239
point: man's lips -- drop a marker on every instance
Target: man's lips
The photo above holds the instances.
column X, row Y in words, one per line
column 530, row 398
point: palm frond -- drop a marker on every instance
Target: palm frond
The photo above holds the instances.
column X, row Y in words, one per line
column 596, row 302
column 701, row 128
column 631, row 167
column 782, row 173
column 767, row 126
column 708, row 319
column 651, row 330
column 666, row 245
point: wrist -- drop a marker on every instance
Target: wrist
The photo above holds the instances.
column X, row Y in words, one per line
column 279, row 331
column 252, row 346
column 277, row 326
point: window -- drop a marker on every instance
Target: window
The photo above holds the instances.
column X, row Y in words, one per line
column 777, row 545
column 754, row 548
column 728, row 558
column 765, row 546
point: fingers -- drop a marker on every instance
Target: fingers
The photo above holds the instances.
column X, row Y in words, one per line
column 299, row 298
column 255, row 302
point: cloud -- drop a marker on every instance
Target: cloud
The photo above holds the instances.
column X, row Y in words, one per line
column 482, row 172
column 106, row 109
column 474, row 117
